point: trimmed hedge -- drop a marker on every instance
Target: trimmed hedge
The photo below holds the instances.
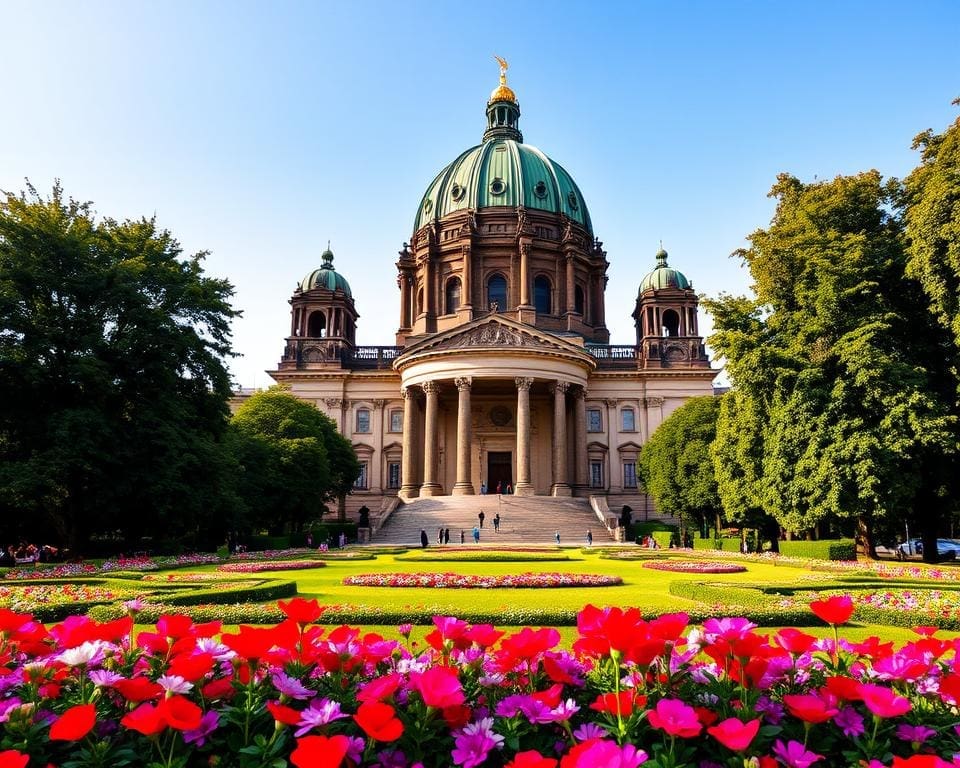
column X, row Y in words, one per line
column 713, row 545
column 825, row 549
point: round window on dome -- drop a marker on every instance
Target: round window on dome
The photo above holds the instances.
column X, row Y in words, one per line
column 457, row 192
column 540, row 189
column 572, row 199
column 497, row 186
column 427, row 205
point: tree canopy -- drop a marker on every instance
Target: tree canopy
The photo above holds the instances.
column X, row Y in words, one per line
column 113, row 387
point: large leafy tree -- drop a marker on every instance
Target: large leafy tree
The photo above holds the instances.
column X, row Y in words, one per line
column 675, row 464
column 844, row 379
column 292, row 460
column 113, row 389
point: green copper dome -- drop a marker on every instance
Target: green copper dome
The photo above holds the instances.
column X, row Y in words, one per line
column 503, row 171
column 326, row 277
column 664, row 276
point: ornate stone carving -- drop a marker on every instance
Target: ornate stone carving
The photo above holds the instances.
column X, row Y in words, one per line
column 463, row 382
column 430, row 387
column 379, row 403
column 493, row 334
column 333, row 402
column 580, row 392
column 523, row 383
column 653, row 402
column 560, row 386
column 406, row 392
column 611, row 402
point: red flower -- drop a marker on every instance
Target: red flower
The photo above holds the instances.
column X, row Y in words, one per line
column 794, row 641
column 531, row 759
column 735, row 734
column 320, row 752
column 180, row 713
column 380, row 688
column 221, row 688
column 834, row 610
column 138, row 689
column 254, row 643
column 809, row 708
column 884, row 702
column 74, row 724
column 191, row 667
column 10, row 758
column 624, row 704
column 457, row 716
column 608, row 629
column 378, row 721
column 844, row 688
column 283, row 714
column 174, row 625
column 145, row 719
column 301, row 611
column 439, row 686
column 675, row 718
column 921, row 761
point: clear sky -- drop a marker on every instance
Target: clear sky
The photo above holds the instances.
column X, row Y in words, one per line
column 258, row 131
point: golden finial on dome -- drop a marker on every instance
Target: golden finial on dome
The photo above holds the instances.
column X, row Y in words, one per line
column 503, row 92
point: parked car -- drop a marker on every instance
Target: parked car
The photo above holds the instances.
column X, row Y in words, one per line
column 946, row 548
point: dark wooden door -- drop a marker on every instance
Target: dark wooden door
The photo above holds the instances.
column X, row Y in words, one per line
column 499, row 470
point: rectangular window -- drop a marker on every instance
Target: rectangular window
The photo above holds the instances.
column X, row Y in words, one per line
column 393, row 475
column 363, row 420
column 629, row 474
column 396, row 421
column 594, row 420
column 628, row 421
column 596, row 474
column 361, row 482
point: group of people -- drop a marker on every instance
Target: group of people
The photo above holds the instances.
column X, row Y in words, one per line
column 496, row 520
column 26, row 554
column 500, row 489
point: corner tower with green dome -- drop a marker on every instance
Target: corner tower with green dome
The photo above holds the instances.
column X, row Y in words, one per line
column 503, row 225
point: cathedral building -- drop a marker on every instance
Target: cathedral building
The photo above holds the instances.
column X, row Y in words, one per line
column 502, row 374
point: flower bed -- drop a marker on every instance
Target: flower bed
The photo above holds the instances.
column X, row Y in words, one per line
column 270, row 565
column 34, row 596
column 694, row 566
column 630, row 692
column 466, row 581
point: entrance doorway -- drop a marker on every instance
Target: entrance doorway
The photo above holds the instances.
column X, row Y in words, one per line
column 499, row 470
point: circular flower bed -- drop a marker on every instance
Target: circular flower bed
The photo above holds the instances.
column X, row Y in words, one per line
column 270, row 565
column 694, row 566
column 463, row 581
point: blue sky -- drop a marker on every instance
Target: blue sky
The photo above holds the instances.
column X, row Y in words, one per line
column 259, row 131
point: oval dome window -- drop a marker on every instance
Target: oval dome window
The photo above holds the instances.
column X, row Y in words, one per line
column 497, row 187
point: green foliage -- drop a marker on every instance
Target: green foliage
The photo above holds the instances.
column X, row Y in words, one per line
column 844, row 549
column 675, row 465
column 291, row 458
column 113, row 389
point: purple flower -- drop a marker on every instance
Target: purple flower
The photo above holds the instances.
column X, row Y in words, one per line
column 850, row 722
column 7, row 706
column 391, row 758
column 174, row 684
column 772, row 711
column 475, row 742
column 208, row 724
column 319, row 713
column 589, row 731
column 404, row 630
column 914, row 733
column 794, row 754
column 355, row 750
column 290, row 686
column 103, row 678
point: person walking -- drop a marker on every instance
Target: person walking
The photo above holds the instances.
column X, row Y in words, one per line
column 481, row 517
column 476, row 535
column 423, row 538
column 440, row 536
column 496, row 522
column 509, row 489
column 483, row 489
column 463, row 538
column 499, row 487
column 557, row 537
column 589, row 538
column 446, row 535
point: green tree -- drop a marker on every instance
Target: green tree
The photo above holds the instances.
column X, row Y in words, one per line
column 292, row 460
column 113, row 389
column 843, row 372
column 675, row 464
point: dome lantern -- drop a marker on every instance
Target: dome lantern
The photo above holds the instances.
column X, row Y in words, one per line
column 664, row 276
column 503, row 110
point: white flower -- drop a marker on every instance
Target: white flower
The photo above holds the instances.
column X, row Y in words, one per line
column 174, row 684
column 85, row 653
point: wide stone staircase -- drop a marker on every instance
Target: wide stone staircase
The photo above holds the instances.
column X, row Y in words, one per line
column 523, row 520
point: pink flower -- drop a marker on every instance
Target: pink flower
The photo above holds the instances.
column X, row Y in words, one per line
column 884, row 702
column 794, row 754
column 439, row 686
column 475, row 742
column 599, row 753
column 735, row 734
column 675, row 718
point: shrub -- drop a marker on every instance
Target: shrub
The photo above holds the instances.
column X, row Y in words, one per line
column 825, row 549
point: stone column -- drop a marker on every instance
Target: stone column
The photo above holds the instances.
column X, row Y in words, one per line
column 561, row 484
column 404, row 300
column 464, row 485
column 430, row 485
column 571, row 292
column 525, row 274
column 523, row 486
column 580, row 435
column 408, row 472
column 466, row 284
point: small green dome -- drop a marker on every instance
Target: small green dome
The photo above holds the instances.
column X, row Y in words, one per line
column 326, row 277
column 503, row 172
column 664, row 276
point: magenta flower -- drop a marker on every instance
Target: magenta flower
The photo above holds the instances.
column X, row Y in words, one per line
column 290, row 686
column 319, row 713
column 589, row 731
column 850, row 722
column 914, row 733
column 208, row 724
column 675, row 718
column 794, row 755
column 475, row 742
column 599, row 752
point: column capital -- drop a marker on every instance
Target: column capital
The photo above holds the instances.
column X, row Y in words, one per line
column 653, row 402
column 463, row 382
column 560, row 386
column 379, row 403
column 580, row 392
column 611, row 402
column 523, row 383
column 430, row 387
column 334, row 402
column 406, row 392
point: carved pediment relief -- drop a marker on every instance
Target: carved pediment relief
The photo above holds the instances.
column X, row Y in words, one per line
column 494, row 334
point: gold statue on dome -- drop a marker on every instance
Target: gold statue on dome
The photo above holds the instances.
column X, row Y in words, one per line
column 503, row 92
column 503, row 69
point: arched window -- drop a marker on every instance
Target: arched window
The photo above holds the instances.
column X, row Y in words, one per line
column 578, row 300
column 541, row 295
column 671, row 323
column 453, row 295
column 420, row 302
column 317, row 325
column 497, row 292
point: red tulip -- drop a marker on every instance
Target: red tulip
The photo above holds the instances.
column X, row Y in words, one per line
column 301, row 611
column 735, row 734
column 834, row 610
column 320, row 752
column 439, row 686
column 378, row 721
column 10, row 758
column 145, row 719
column 531, row 759
column 74, row 724
column 675, row 718
column 884, row 702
